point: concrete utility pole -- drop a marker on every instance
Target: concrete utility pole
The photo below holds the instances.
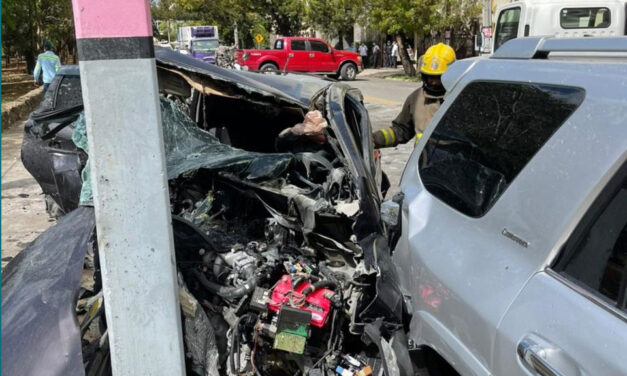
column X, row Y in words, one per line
column 120, row 93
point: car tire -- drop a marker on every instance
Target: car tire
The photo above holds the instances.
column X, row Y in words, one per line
column 348, row 72
column 53, row 209
column 268, row 68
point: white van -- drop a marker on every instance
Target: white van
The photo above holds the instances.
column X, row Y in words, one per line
column 558, row 18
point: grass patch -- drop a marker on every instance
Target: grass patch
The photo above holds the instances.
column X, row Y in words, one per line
column 403, row 77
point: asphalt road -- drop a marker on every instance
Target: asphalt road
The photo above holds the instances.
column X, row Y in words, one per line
column 384, row 99
column 23, row 211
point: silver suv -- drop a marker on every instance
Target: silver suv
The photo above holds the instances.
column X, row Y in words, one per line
column 513, row 248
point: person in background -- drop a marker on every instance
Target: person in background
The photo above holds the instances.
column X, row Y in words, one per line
column 376, row 52
column 363, row 52
column 393, row 55
column 352, row 48
column 49, row 64
column 387, row 54
column 422, row 104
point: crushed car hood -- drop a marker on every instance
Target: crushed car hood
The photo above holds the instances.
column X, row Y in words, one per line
column 40, row 334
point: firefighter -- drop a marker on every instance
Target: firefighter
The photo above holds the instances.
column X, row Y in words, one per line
column 422, row 104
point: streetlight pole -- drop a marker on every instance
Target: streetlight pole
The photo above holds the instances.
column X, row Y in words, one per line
column 122, row 112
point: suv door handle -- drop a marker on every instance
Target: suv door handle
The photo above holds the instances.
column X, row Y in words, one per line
column 532, row 355
column 311, row 55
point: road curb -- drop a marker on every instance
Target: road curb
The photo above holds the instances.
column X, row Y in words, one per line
column 381, row 74
column 20, row 108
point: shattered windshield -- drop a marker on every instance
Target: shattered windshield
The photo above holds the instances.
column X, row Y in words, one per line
column 205, row 45
column 188, row 148
column 487, row 136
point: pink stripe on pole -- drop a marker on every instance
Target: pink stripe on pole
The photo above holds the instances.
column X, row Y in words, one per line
column 112, row 18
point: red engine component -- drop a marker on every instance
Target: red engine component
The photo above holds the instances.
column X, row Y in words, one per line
column 316, row 302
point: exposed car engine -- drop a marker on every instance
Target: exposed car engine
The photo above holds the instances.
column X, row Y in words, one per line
column 286, row 300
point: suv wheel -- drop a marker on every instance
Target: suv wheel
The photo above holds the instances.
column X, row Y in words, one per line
column 348, row 72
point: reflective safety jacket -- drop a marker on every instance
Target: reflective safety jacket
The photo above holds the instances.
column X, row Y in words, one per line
column 417, row 112
column 49, row 64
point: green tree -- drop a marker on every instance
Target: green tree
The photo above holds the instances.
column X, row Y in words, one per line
column 20, row 29
column 419, row 18
column 333, row 17
column 26, row 23
column 287, row 16
column 57, row 25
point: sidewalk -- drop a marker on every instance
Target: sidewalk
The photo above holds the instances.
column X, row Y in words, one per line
column 23, row 210
column 380, row 72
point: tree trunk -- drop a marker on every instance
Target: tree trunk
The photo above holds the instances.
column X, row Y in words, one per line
column 340, row 43
column 402, row 52
column 168, row 26
column 30, row 61
column 416, row 49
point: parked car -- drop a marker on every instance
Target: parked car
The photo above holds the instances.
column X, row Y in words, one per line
column 298, row 54
column 513, row 247
column 277, row 234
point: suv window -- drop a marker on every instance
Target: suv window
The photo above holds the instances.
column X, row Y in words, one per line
column 486, row 138
column 318, row 46
column 585, row 18
column 298, row 45
column 596, row 255
column 507, row 26
column 69, row 93
column 278, row 44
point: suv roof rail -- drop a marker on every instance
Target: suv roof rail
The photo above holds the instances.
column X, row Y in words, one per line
column 540, row 47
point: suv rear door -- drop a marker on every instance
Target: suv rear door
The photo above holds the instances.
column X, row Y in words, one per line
column 571, row 319
column 483, row 198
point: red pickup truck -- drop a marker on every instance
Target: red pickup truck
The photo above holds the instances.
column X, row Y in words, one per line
column 302, row 55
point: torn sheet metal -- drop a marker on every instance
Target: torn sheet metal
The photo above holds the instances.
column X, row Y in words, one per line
column 39, row 288
column 189, row 148
column 253, row 86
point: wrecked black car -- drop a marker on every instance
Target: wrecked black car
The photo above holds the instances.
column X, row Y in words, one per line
column 54, row 160
column 283, row 261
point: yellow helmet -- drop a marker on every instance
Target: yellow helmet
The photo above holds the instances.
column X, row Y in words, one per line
column 437, row 59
